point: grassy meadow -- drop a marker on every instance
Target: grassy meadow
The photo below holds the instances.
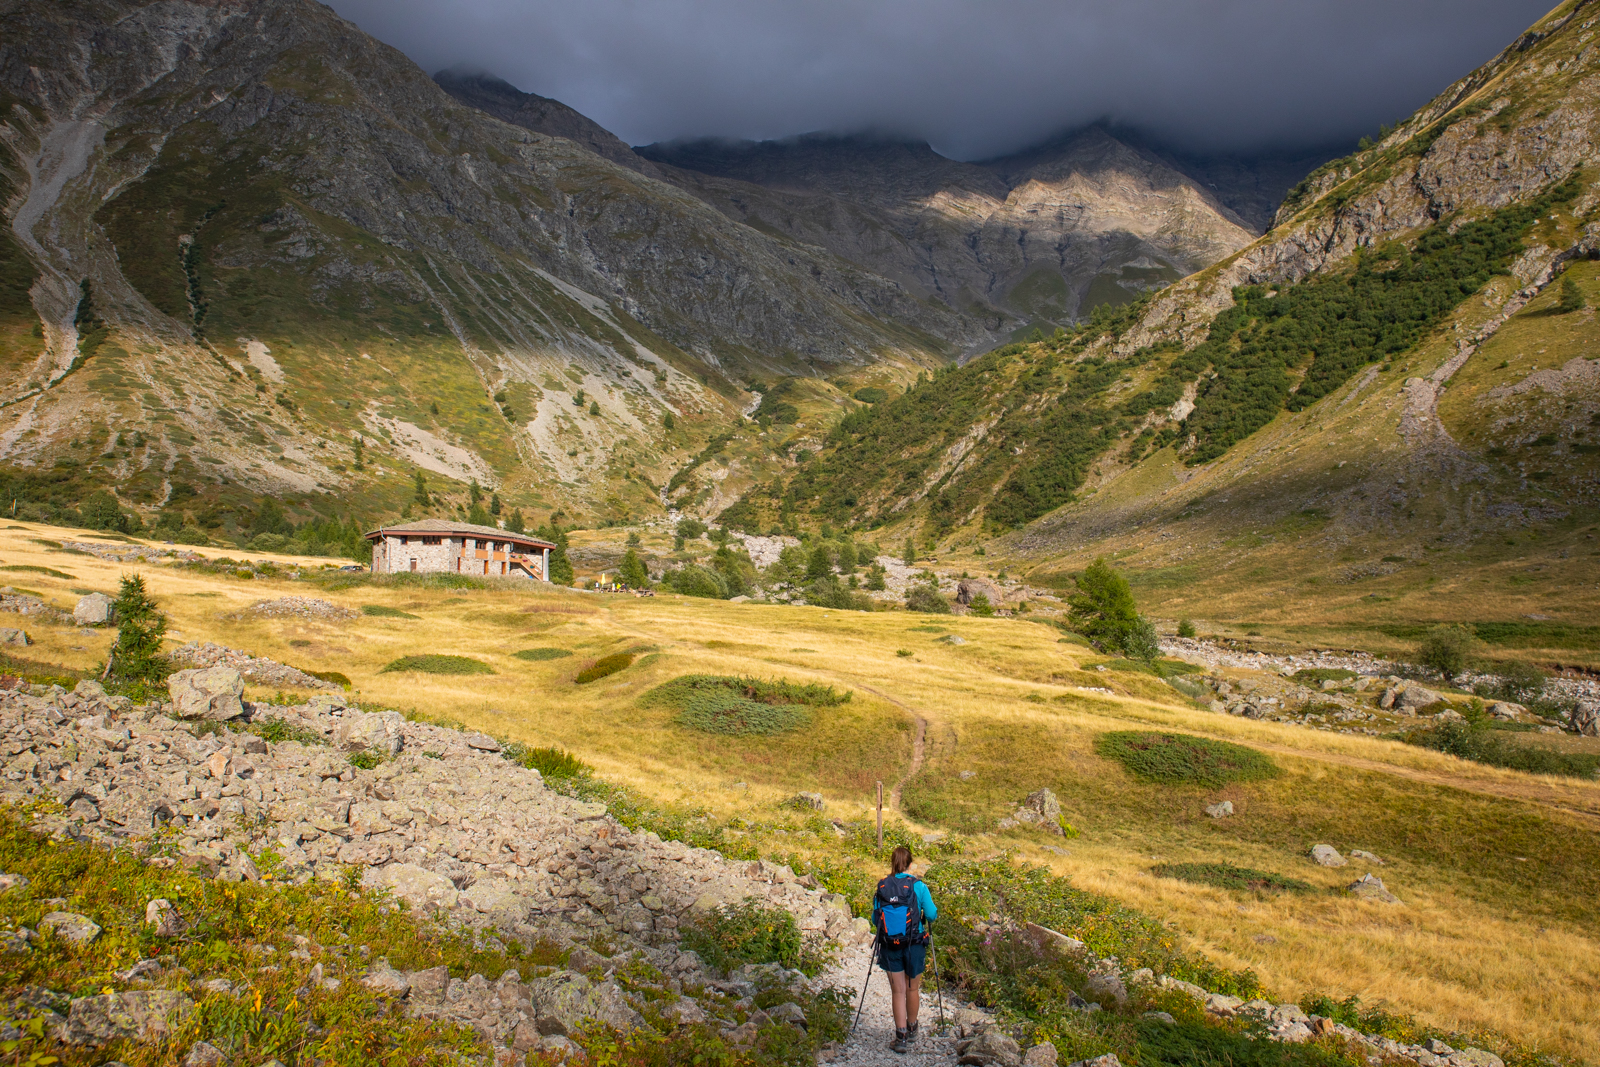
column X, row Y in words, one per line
column 1499, row 872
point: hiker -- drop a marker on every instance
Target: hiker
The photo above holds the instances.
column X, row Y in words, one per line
column 902, row 912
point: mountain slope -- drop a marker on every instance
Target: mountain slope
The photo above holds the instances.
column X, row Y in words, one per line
column 1040, row 237
column 244, row 235
column 1388, row 274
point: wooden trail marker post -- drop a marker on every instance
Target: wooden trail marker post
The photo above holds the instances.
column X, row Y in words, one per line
column 880, row 816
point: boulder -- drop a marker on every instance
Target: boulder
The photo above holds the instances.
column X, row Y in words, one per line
column 496, row 898
column 1586, row 718
column 70, row 926
column 93, row 610
column 968, row 588
column 380, row 734
column 1327, row 856
column 1108, row 1060
column 482, row 742
column 207, row 693
column 1363, row 854
column 204, row 1054
column 382, row 978
column 423, row 889
column 1220, row 810
column 1370, row 887
column 1413, row 697
column 1477, row 1057
column 1051, row 941
column 991, row 1048
column 1041, row 1055
column 564, row 1001
column 1045, row 803
column 814, row 801
column 141, row 1015
column 1106, row 988
column 10, row 635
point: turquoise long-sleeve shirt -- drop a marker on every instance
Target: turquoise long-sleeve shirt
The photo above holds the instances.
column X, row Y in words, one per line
column 924, row 904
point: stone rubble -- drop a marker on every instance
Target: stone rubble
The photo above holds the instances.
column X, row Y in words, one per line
column 299, row 607
column 445, row 823
column 255, row 669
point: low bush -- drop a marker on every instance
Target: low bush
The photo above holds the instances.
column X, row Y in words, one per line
column 337, row 678
column 1318, row 675
column 31, row 569
column 723, row 704
column 553, row 764
column 1227, row 876
column 1175, row 758
column 926, row 600
column 754, row 931
column 433, row 663
column 1446, row 648
column 604, row 667
column 539, row 655
column 1519, row 681
column 1480, row 743
column 277, row 731
column 379, row 611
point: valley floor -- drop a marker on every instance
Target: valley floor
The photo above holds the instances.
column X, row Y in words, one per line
column 1498, row 872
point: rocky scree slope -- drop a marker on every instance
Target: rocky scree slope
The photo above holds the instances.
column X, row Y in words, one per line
column 1041, row 237
column 445, row 823
column 262, row 203
column 1168, row 401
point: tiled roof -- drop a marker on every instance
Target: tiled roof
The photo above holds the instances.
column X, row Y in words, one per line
column 431, row 527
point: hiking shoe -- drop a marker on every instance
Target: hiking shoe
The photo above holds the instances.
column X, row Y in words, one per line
column 900, row 1042
column 911, row 1034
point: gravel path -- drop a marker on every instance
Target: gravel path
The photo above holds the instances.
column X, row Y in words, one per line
column 869, row 1045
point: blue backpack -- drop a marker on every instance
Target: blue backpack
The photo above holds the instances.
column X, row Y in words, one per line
column 899, row 915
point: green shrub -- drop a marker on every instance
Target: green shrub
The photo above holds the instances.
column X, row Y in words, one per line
column 1227, row 876
column 1186, row 628
column 365, row 761
column 604, row 667
column 433, row 663
column 1480, row 743
column 927, row 600
column 981, row 607
column 1571, row 297
column 1520, row 682
column 1446, row 648
column 871, row 395
column 1103, row 610
column 277, row 731
column 1318, row 675
column 539, row 655
column 136, row 656
column 693, row 580
column 338, row 679
column 722, row 704
column 382, row 612
column 754, row 931
column 553, row 764
column 51, row 571
column 1157, row 757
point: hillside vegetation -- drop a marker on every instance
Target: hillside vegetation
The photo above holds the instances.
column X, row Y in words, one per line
column 1499, row 937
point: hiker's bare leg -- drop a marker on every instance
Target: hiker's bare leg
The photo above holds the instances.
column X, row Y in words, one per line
column 913, row 1000
column 897, row 994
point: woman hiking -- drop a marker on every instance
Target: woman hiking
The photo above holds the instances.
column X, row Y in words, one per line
column 902, row 912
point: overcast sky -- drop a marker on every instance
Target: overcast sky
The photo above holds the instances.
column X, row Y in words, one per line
column 973, row 77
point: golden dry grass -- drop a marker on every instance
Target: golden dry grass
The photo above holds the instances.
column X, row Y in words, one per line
column 1500, row 872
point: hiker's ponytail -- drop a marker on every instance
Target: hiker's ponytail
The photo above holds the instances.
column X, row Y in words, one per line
column 900, row 862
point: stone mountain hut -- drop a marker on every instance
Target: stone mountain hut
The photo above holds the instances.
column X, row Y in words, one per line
column 433, row 546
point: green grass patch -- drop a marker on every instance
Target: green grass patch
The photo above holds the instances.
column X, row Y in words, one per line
column 382, row 612
column 1178, row 758
column 1482, row 744
column 723, row 704
column 754, row 931
column 336, row 677
column 539, row 655
column 553, row 764
column 604, row 667
column 432, row 663
column 1516, row 634
column 31, row 569
column 1227, row 876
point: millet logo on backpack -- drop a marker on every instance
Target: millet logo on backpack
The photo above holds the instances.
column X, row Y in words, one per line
column 899, row 916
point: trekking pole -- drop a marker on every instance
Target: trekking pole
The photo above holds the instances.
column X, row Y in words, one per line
column 871, row 959
column 938, row 983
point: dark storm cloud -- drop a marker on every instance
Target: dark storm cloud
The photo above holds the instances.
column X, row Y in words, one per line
column 974, row 77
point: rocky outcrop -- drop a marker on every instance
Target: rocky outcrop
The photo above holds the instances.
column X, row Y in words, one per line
column 215, row 693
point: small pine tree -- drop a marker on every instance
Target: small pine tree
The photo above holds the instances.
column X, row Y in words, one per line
column 475, row 491
column 136, row 656
column 820, row 563
column 1446, row 648
column 1571, row 297
column 1185, row 628
column 668, row 422
column 477, row 516
column 494, row 503
column 516, row 523
column 632, row 571
column 910, row 554
column 560, row 565
column 594, row 407
column 981, row 607
column 875, row 578
column 359, row 463
column 420, row 493
column 1103, row 609
column 433, row 408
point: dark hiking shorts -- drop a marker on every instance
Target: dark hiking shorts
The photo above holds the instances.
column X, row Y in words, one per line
column 912, row 959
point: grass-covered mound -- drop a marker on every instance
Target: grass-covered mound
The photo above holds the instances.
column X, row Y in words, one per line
column 1227, row 876
column 723, row 704
column 382, row 612
column 604, row 667
column 1318, row 675
column 433, row 663
column 754, row 931
column 1180, row 758
column 539, row 655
